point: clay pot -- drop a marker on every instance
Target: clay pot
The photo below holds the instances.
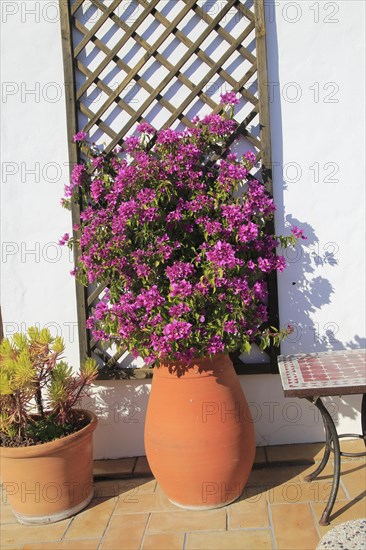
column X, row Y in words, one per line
column 199, row 434
column 51, row 481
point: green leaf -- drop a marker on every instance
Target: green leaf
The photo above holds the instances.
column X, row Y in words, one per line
column 58, row 345
column 247, row 347
column 33, row 334
column 6, row 349
column 7, row 426
column 61, row 372
column 89, row 368
column 20, row 340
column 5, row 387
column 57, row 392
column 45, row 336
column 24, row 372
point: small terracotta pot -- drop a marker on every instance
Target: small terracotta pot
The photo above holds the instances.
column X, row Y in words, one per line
column 51, row 481
column 199, row 434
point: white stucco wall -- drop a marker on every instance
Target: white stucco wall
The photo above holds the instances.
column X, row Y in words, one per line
column 315, row 58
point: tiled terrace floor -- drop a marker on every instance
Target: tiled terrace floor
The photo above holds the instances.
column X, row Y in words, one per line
column 277, row 510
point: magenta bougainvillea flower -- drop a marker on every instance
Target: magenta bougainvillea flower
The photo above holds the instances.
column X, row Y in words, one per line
column 79, row 136
column 299, row 233
column 177, row 232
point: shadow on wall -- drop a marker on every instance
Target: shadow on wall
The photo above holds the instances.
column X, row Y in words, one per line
column 303, row 293
column 121, row 409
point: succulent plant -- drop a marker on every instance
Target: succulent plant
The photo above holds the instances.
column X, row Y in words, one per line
column 38, row 389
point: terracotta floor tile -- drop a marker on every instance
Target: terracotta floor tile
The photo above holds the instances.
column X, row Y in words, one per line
column 113, row 467
column 326, row 475
column 165, row 541
column 186, row 520
column 158, row 489
column 353, row 477
column 294, row 527
column 295, row 492
column 122, row 520
column 123, row 488
column 352, row 446
column 233, row 540
column 291, row 453
column 248, row 513
column 125, row 532
column 91, row 522
column 260, row 456
column 139, row 502
column 64, row 545
column 276, row 475
column 15, row 534
column 142, row 466
column 342, row 511
column 290, row 492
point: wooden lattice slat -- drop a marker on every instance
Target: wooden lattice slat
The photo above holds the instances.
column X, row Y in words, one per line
column 82, row 37
column 71, row 113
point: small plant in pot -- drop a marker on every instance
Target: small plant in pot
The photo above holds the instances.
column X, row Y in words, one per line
column 176, row 231
column 45, row 440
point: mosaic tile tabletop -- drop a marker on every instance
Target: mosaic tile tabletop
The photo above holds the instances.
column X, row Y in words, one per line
column 323, row 373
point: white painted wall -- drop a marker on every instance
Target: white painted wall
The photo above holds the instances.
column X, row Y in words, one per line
column 316, row 55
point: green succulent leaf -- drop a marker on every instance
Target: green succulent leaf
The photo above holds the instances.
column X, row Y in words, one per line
column 6, row 425
column 20, row 341
column 24, row 372
column 45, row 336
column 58, row 345
column 33, row 334
column 5, row 386
column 62, row 372
column 6, row 348
column 89, row 368
column 38, row 336
column 57, row 392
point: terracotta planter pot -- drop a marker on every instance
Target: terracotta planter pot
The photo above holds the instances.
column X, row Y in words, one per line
column 199, row 434
column 51, row 481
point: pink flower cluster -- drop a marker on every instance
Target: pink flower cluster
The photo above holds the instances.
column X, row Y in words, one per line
column 184, row 256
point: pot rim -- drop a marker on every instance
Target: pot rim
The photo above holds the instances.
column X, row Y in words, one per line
column 52, row 446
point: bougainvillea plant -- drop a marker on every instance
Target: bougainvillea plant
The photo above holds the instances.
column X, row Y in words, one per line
column 179, row 236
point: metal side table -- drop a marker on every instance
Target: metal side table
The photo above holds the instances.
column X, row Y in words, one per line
column 316, row 375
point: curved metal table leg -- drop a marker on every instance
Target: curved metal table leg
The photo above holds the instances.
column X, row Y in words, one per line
column 332, row 443
column 327, row 451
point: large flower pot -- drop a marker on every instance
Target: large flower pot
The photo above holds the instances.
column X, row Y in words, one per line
column 51, row 481
column 199, row 434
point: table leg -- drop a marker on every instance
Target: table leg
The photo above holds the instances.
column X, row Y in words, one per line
column 326, row 455
column 331, row 440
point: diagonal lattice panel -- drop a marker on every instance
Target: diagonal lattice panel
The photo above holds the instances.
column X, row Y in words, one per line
column 108, row 91
column 132, row 72
column 162, row 62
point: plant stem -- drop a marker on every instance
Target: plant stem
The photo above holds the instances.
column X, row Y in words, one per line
column 39, row 401
column 21, row 421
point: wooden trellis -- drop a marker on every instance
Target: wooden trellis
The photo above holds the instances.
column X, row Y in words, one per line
column 149, row 48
